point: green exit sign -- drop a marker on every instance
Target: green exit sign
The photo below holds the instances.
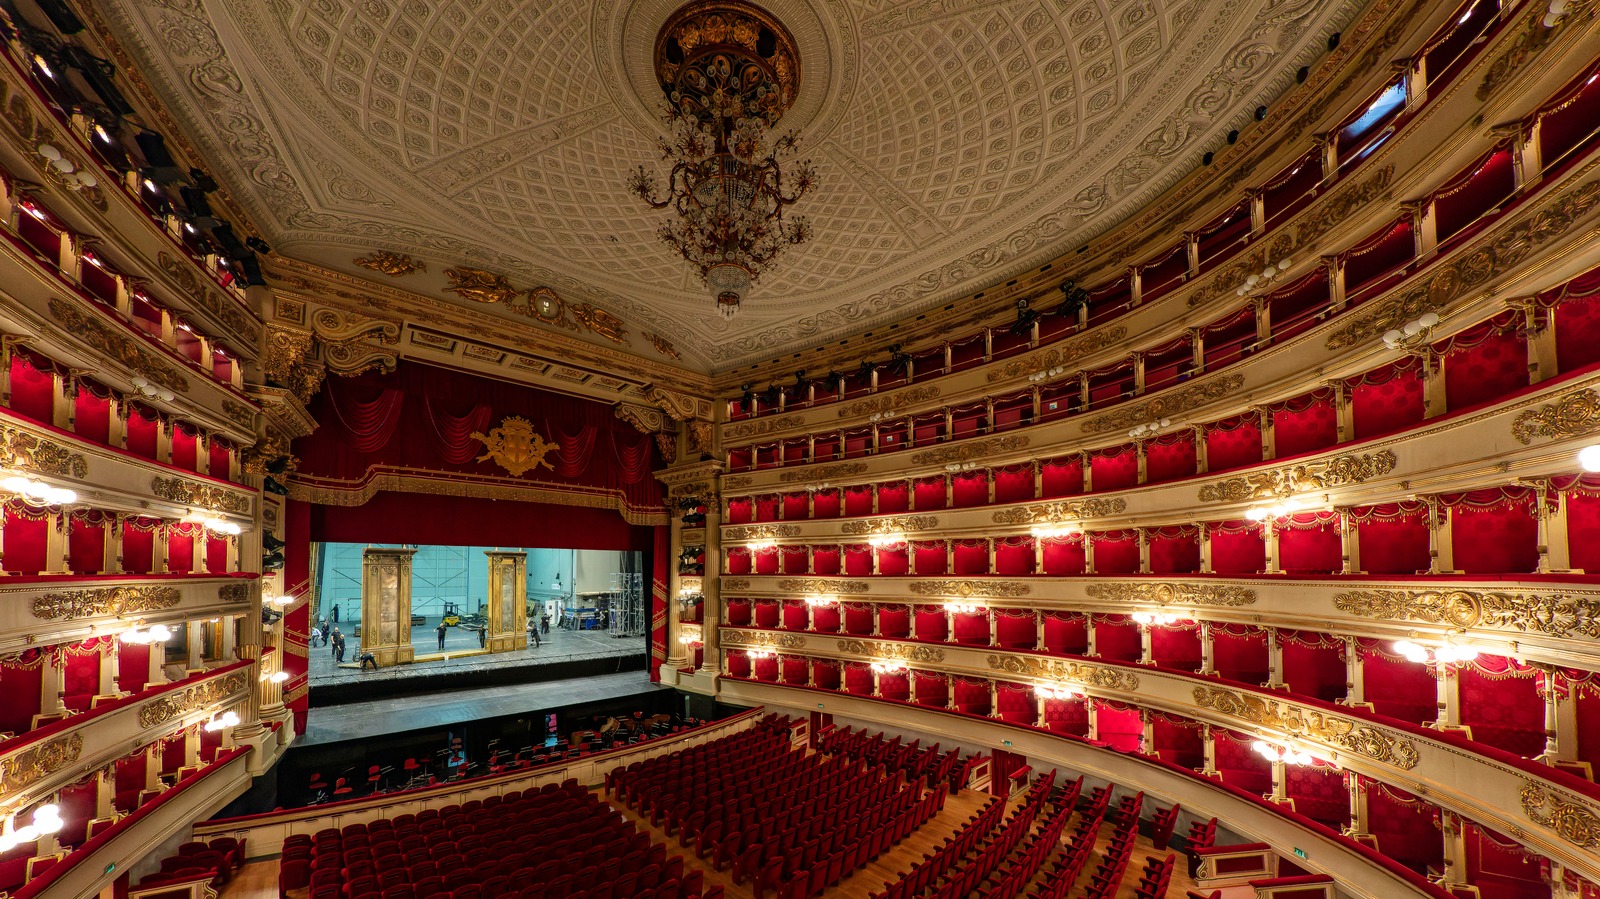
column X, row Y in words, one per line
column 1300, row 853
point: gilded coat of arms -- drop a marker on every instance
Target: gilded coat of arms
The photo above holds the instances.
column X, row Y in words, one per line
column 514, row 446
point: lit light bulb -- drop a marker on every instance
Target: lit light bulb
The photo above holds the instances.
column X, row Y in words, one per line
column 279, row 677
column 161, row 633
column 1588, row 457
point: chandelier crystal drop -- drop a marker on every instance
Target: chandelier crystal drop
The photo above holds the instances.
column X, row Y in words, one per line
column 729, row 70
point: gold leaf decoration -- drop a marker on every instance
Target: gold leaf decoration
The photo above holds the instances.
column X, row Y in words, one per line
column 204, row 496
column 823, row 473
column 600, row 322
column 515, row 446
column 1166, row 405
column 37, row 762
column 969, row 589
column 969, row 450
column 761, row 426
column 105, row 601
column 480, row 286
column 662, row 345
column 1057, row 513
column 898, row 524
column 1310, row 724
column 234, row 593
column 889, row 402
column 1105, row 677
column 734, row 583
column 26, row 450
column 1575, row 415
column 394, row 265
column 1071, row 351
column 113, row 344
column 189, row 699
column 1574, row 822
column 1320, row 474
column 884, row 650
column 1173, row 593
column 822, row 586
column 1554, row 614
column 736, row 637
column 762, row 532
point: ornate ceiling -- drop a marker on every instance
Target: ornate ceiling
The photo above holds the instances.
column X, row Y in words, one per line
column 957, row 142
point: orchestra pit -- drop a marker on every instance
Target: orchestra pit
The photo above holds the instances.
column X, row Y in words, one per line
column 874, row 449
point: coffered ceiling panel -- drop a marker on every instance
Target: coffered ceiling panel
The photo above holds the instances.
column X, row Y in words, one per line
column 957, row 143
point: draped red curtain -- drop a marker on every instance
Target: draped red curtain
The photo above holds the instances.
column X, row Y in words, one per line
column 970, row 557
column 928, row 623
column 930, row 493
column 826, row 504
column 825, row 559
column 1116, row 552
column 1501, row 702
column 32, row 387
column 796, row 506
column 1169, row 457
column 1174, row 549
column 970, row 489
column 1114, row 469
column 221, row 457
column 1399, row 688
column 21, row 679
column 1116, row 637
column 138, row 544
column 26, row 534
column 1013, row 555
column 1062, row 477
column 792, row 559
column 660, row 577
column 1494, row 531
column 894, row 622
column 1065, row 556
column 1239, row 652
column 1013, row 484
column 929, row 558
column 1485, row 362
column 1393, row 538
column 1305, row 424
column 1309, row 543
column 1015, row 628
column 91, row 417
column 140, row 433
column 858, row 500
column 1066, row 633
column 86, row 540
column 893, row 497
column 370, row 422
column 1233, row 443
column 1386, row 399
column 185, row 447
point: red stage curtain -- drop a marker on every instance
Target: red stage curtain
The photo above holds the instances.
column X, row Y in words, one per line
column 1114, row 469
column 1239, row 652
column 825, row 559
column 91, row 417
column 1116, row 552
column 1237, row 547
column 143, row 423
column 1118, row 726
column 1066, row 633
column 1319, row 793
column 970, row 557
column 792, row 559
column 1174, row 549
column 25, row 538
column 1238, row 764
column 1116, row 637
column 1233, row 443
column 826, row 504
column 931, row 557
column 452, row 432
column 1396, row 687
column 1386, row 399
column 1494, row 531
column 1393, row 538
column 1500, row 867
column 931, row 689
column 1485, row 362
column 1067, row 716
column 894, row 622
column 185, row 447
column 1500, row 701
column 1014, row 628
column 1176, row 646
column 857, row 560
column 970, row 489
column 858, row 500
column 86, row 541
column 857, row 619
column 1013, row 484
column 21, row 679
column 1065, row 555
column 1313, row 664
column 971, row 628
column 1169, row 457
column 1062, row 477
column 33, row 388
column 741, row 510
column 369, row 422
column 1406, row 827
column 1305, row 424
column 1177, row 740
column 894, row 561
column 796, row 506
column 1309, row 543
column 893, row 497
column 1013, row 555
column 930, row 493
column 928, row 623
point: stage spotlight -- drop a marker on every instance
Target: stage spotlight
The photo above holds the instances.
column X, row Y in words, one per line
column 270, row 542
column 278, row 465
column 272, row 486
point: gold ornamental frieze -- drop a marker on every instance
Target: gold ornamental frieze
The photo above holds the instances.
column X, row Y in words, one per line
column 758, row 640
column 395, row 265
column 1552, row 614
column 689, row 490
column 1575, row 415
column 734, row 583
column 1070, row 352
column 821, row 586
column 37, row 455
column 761, row 532
column 114, row 602
column 1324, row 474
column 759, row 426
column 480, row 286
column 897, row 525
column 902, row 651
column 890, row 402
column 737, row 482
column 159, row 711
column 203, row 496
column 1167, row 593
column 1311, row 725
column 823, row 473
column 235, row 593
column 1057, row 513
column 35, row 763
column 970, row 450
column 970, row 589
column 515, row 446
column 1104, row 677
column 1167, row 404
column 1574, row 822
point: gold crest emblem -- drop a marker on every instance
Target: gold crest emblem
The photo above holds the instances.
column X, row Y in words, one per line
column 514, row 446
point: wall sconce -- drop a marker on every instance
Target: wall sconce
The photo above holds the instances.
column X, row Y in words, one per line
column 891, row 667
column 225, row 720
column 1046, row 374
column 1589, row 458
column 1281, row 754
column 46, row 820
column 37, row 493
column 1054, row 531
column 1159, row 619
column 1267, row 275
column 151, row 391
column 1446, row 653
column 822, row 602
column 884, row 541
column 1413, row 334
column 961, row 466
column 1150, row 429
column 158, row 634
column 754, row 654
column 70, row 176
column 214, row 522
column 1277, row 510
column 1057, row 691
column 966, row 608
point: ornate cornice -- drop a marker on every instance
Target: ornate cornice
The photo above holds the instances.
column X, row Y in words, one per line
column 734, row 583
column 1055, row 513
column 968, row 589
column 38, row 762
column 820, row 586
column 759, row 426
column 1173, row 593
column 1553, row 614
column 113, row 345
column 970, row 450
column 235, row 593
column 1310, row 724
column 1104, row 677
column 823, row 472
column 39, row 455
column 115, row 602
column 735, row 637
column 1575, row 822
column 909, row 652
column 1575, row 415
column 898, row 524
column 1322, row 474
column 1169, row 403
column 204, row 496
column 890, row 402
column 1061, row 354
column 176, row 705
column 761, row 532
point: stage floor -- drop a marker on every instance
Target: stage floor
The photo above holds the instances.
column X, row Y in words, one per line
column 462, row 654
column 380, row 717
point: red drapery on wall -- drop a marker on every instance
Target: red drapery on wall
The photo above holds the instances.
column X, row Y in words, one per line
column 930, row 493
column 1174, row 549
column 25, row 538
column 1485, row 362
column 1305, row 424
column 893, row 497
column 185, row 447
column 1066, row 632
column 1313, row 664
column 970, row 489
column 1577, row 320
column 143, row 423
column 929, row 558
column 1013, row 555
column 1116, row 637
column 1494, row 531
column 21, row 679
column 1237, row 547
column 1118, row 726
column 796, row 506
column 1169, row 457
column 1406, row 827
column 86, row 540
column 1116, row 552
column 1062, row 477
column 970, row 557
column 1319, row 793
column 1309, row 543
column 32, row 387
column 1233, row 443
column 1393, row 538
column 858, row 500
column 1386, row 399
column 1065, row 555
column 1014, row 628
column 1501, row 702
column 928, row 623
column 91, row 417
column 1116, row 468
column 660, row 575
column 1399, row 688
column 1239, row 652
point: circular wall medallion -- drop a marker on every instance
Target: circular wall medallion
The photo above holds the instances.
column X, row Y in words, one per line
column 547, row 306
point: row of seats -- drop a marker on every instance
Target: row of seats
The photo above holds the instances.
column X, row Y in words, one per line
column 932, row 867
column 1025, row 862
column 1080, row 846
column 916, row 763
column 217, row 860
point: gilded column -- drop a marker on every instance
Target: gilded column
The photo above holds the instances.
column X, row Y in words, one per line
column 1208, row 749
column 1208, row 660
column 508, row 601
column 1274, row 661
column 711, row 612
column 386, row 605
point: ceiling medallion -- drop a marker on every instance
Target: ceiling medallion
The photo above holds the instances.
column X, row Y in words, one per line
column 729, row 70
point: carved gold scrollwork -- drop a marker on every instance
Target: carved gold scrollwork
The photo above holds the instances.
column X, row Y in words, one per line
column 762, row 532
column 204, row 496
column 1320, row 474
column 1072, row 351
column 898, row 524
column 970, row 450
column 114, row 345
column 1106, row 678
column 890, row 402
column 394, row 265
column 234, row 593
column 1576, row 823
column 1056, row 513
column 158, row 711
column 1174, row 593
column 883, row 650
column 1555, row 614
column 1575, row 415
column 105, row 601
column 821, row 586
column 970, row 589
column 480, row 286
column 734, row 583
column 761, row 426
column 748, row 638
column 23, row 449
column 514, row 446
column 824, row 473
column 1314, row 725
column 38, row 762
column 1169, row 403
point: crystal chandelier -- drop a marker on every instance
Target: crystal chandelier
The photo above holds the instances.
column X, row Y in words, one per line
column 729, row 70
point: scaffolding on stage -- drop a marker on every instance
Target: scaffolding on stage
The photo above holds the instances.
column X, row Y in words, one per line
column 629, row 617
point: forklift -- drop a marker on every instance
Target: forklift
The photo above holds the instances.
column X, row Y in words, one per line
column 452, row 614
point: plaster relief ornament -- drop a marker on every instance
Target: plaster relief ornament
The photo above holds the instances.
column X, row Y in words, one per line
column 480, row 286
column 514, row 446
column 394, row 265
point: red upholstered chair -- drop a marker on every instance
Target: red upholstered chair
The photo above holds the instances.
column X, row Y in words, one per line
column 294, row 874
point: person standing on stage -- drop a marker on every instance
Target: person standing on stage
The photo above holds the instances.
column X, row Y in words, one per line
column 338, row 647
column 441, row 636
column 316, row 636
column 335, row 613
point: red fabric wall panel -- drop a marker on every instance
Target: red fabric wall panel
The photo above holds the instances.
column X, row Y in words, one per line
column 1176, row 647
column 1386, row 402
column 970, row 489
column 766, row 561
column 825, row 559
column 1013, row 556
column 133, row 666
column 1312, row 665
column 1017, row 704
column 930, row 558
column 794, row 616
column 741, row 510
column 1174, row 551
column 740, row 613
column 1116, row 469
column 766, row 614
column 1116, row 637
column 1398, row 688
column 216, row 558
column 893, row 498
column 928, row 623
column 1319, row 794
column 971, row 628
column 1237, row 547
column 1240, row 765
column 767, row 508
column 86, row 544
column 25, row 539
column 1504, row 710
column 1116, row 553
column 858, row 560
column 1062, row 477
column 91, row 418
column 1239, row 656
column 1405, row 828
column 1583, row 529
column 738, row 664
column 1066, row 633
column 1304, row 425
column 930, row 493
column 826, row 619
column 739, row 561
column 796, row 506
column 1120, row 728
column 970, row 557
column 1495, row 367
column 1013, row 484
column 221, row 457
column 1177, row 742
column 1586, row 697
column 20, row 683
column 894, row 561
column 826, row 504
column 932, row 690
column 1311, row 546
column 1169, row 458
column 1393, row 539
column 894, row 622
column 1578, row 325
column 1502, row 539
column 858, row 620
column 185, row 448
column 32, row 388
column 1065, row 556
column 971, row 697
column 141, row 431
column 1233, row 443
column 1015, row 631
column 1067, row 716
column 857, row 501
column 792, row 559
